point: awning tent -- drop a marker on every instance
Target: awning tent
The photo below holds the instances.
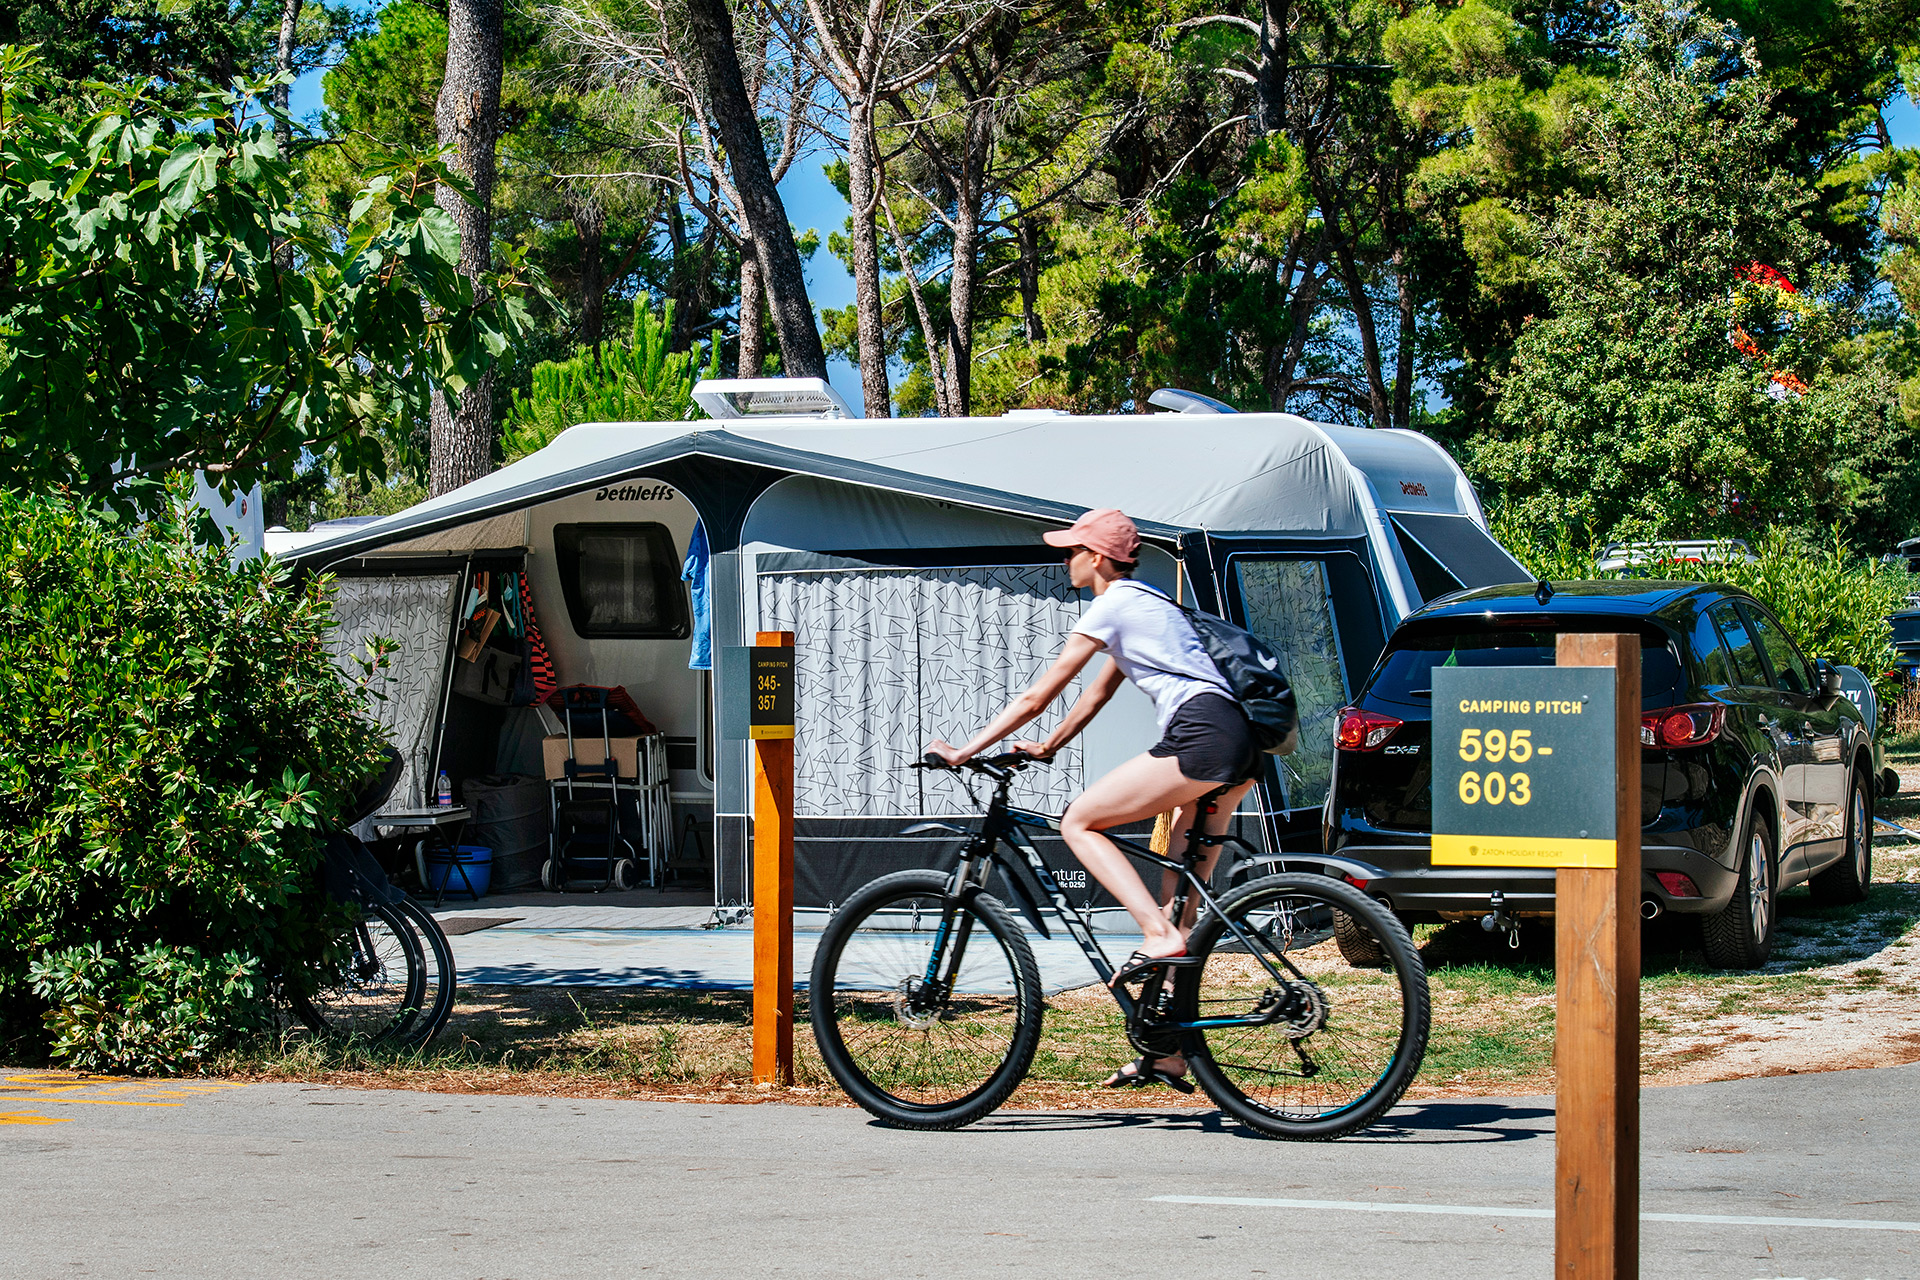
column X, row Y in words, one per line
column 851, row 531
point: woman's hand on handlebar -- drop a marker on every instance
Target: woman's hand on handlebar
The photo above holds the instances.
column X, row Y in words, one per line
column 946, row 751
column 1038, row 750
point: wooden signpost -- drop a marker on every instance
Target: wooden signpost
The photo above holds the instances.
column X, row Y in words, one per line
column 770, row 726
column 1540, row 767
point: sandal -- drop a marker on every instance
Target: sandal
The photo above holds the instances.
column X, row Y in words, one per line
column 1141, row 1073
column 1140, row 964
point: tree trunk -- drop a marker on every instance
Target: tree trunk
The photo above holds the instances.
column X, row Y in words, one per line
column 960, row 280
column 752, row 316
column 942, row 389
column 867, row 299
column 1028, row 231
column 590, row 224
column 801, row 354
column 468, row 117
column 283, row 63
column 1404, row 346
column 1270, row 70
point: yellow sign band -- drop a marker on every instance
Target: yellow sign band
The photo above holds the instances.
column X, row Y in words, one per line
column 1522, row 851
column 770, row 731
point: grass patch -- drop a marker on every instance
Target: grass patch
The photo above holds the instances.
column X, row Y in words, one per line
column 1493, row 1018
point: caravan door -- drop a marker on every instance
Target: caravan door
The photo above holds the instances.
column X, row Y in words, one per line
column 1316, row 603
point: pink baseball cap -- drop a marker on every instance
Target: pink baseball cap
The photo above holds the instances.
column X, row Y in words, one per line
column 1106, row 531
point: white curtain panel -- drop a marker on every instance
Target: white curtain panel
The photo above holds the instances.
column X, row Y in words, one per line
column 416, row 613
column 889, row 658
column 1289, row 607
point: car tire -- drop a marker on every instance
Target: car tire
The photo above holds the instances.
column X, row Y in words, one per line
column 1846, row 881
column 1740, row 935
column 1889, row 781
column 1359, row 946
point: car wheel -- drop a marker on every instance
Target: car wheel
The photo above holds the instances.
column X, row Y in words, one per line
column 1358, row 945
column 1847, row 880
column 1740, row 935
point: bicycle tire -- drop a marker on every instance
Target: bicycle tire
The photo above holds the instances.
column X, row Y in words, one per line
column 923, row 1067
column 374, row 991
column 441, row 975
column 1318, row 1073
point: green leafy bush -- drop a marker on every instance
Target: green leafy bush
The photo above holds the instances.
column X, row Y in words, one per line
column 1834, row 602
column 640, row 381
column 173, row 737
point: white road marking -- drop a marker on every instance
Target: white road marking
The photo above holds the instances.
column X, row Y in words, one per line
column 1506, row 1211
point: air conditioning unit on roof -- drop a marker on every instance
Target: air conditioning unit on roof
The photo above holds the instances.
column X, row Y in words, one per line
column 769, row 398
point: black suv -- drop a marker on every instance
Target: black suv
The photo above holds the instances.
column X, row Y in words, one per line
column 1756, row 773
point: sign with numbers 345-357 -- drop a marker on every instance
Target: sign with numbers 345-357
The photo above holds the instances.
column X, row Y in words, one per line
column 1523, row 766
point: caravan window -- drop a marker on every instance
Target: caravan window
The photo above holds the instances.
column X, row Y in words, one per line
column 621, row 580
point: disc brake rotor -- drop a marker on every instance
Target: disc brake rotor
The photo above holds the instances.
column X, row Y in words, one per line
column 907, row 1008
column 1306, row 1012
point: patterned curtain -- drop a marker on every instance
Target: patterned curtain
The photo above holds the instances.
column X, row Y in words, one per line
column 889, row 658
column 1288, row 606
column 417, row 613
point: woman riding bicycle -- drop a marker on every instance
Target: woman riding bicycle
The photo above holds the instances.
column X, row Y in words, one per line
column 1206, row 742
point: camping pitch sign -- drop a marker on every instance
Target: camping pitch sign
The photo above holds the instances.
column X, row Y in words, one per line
column 1523, row 766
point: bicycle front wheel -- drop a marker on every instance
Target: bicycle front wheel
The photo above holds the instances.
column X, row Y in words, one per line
column 369, row 983
column 926, row 1008
column 1330, row 1046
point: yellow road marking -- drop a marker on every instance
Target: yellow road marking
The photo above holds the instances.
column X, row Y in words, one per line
column 28, row 1117
column 59, row 1088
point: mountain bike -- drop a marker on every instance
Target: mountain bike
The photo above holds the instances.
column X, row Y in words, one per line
column 926, row 999
column 387, row 974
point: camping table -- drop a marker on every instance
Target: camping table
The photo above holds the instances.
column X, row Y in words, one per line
column 437, row 824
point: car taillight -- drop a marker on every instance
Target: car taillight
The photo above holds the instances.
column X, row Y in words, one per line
column 1364, row 730
column 1677, row 885
column 1673, row 727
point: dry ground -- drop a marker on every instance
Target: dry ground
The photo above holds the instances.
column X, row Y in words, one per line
column 1839, row 993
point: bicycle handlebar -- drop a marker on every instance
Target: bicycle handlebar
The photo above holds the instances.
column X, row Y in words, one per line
column 1001, row 766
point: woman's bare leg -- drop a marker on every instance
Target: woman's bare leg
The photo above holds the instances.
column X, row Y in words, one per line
column 1216, row 824
column 1142, row 787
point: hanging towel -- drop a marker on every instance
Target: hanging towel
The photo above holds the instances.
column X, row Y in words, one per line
column 694, row 572
column 538, row 659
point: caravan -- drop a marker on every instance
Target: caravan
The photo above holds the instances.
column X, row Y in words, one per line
column 906, row 557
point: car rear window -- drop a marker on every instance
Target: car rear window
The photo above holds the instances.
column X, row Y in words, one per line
column 1405, row 676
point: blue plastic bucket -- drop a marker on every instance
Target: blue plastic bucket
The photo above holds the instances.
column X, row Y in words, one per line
column 476, row 861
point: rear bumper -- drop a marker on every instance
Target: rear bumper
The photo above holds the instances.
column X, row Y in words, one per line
column 1412, row 885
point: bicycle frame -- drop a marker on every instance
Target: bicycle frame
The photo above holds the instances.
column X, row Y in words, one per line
column 1004, row 825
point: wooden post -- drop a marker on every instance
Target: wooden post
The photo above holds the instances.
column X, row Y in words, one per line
column 773, row 898
column 1596, row 1050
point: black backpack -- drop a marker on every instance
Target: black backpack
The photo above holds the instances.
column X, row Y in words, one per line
column 1252, row 671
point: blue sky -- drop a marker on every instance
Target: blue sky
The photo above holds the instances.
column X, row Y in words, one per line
column 812, row 201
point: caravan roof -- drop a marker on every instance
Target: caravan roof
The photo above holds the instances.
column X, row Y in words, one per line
column 1226, row 473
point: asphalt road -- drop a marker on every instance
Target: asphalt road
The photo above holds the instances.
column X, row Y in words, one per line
column 140, row 1179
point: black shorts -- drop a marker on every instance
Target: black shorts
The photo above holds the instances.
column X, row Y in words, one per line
column 1210, row 737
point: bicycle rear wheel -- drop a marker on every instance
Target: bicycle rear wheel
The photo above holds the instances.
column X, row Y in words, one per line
column 440, row 976
column 369, row 983
column 1343, row 1042
column 916, row 1039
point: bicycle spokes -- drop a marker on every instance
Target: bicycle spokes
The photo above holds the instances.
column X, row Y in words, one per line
column 926, row 1007
column 1317, row 1041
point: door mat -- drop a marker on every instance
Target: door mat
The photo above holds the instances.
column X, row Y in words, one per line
column 451, row 925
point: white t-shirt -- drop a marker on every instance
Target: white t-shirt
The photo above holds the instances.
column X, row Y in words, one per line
column 1153, row 644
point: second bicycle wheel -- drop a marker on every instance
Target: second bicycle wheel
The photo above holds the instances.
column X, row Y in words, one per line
column 1337, row 1043
column 916, row 1039
column 440, row 976
column 370, row 982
